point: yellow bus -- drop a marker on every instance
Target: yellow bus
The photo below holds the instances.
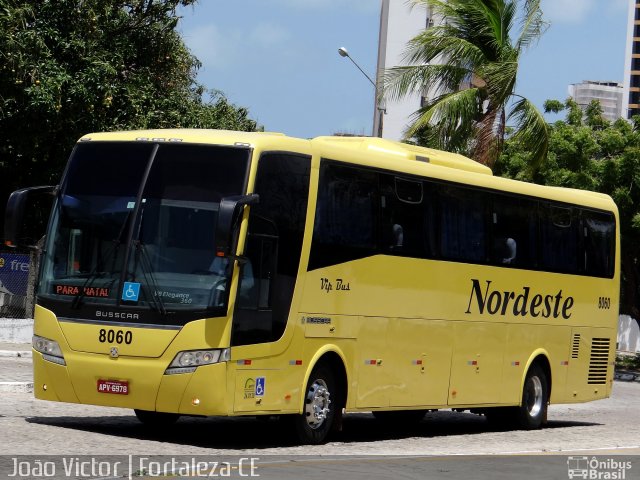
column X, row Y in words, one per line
column 206, row 273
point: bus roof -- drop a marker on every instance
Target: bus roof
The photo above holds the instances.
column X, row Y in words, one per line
column 370, row 151
column 371, row 145
column 191, row 135
column 406, row 151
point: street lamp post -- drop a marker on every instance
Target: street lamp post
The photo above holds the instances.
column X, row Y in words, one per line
column 381, row 110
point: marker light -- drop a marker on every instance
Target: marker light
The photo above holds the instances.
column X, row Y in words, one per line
column 49, row 349
column 188, row 361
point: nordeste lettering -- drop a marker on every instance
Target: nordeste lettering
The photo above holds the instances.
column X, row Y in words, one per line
column 522, row 303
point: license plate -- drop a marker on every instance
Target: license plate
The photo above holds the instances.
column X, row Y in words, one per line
column 113, row 386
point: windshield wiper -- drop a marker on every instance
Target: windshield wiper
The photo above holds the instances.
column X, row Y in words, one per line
column 149, row 276
column 95, row 272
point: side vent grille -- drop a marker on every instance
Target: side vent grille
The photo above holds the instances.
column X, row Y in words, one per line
column 599, row 361
column 575, row 346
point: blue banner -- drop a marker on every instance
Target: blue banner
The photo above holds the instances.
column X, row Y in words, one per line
column 14, row 273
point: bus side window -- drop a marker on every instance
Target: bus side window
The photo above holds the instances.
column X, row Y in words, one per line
column 559, row 236
column 347, row 215
column 514, row 233
column 599, row 243
column 462, row 226
column 402, row 225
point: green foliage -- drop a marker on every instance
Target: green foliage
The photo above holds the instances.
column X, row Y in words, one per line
column 553, row 106
column 472, row 95
column 595, row 155
column 69, row 67
column 574, row 112
column 628, row 362
column 593, row 114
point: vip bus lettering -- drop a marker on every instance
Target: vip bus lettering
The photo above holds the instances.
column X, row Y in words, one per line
column 326, row 285
column 519, row 304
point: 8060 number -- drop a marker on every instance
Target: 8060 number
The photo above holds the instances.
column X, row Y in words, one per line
column 115, row 336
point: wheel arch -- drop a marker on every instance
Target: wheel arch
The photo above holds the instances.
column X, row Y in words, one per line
column 539, row 357
column 334, row 358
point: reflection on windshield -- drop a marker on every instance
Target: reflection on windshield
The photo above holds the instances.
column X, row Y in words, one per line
column 170, row 244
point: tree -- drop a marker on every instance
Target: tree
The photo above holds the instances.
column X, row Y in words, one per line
column 69, row 67
column 590, row 153
column 469, row 63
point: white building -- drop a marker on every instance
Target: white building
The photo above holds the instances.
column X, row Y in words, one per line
column 609, row 94
column 399, row 23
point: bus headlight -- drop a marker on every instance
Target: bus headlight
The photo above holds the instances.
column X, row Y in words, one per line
column 49, row 349
column 188, row 361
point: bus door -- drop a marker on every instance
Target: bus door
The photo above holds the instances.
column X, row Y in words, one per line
column 269, row 270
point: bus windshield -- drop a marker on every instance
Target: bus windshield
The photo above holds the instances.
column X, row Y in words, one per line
column 104, row 249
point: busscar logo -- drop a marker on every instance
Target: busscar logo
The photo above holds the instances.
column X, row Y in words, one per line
column 520, row 303
column 117, row 315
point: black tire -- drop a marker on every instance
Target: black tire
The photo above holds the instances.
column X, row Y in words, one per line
column 156, row 419
column 400, row 418
column 321, row 407
column 532, row 412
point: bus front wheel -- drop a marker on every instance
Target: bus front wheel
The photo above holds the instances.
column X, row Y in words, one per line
column 320, row 405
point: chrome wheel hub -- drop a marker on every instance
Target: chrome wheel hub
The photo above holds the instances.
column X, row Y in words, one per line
column 317, row 404
column 534, row 397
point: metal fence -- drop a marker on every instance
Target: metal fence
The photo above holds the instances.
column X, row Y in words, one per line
column 18, row 270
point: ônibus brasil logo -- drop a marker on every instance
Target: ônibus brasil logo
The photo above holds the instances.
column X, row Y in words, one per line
column 595, row 468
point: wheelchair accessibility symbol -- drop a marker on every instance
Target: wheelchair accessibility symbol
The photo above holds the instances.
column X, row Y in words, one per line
column 130, row 291
column 260, row 381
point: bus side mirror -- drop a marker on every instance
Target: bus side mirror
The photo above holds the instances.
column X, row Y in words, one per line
column 228, row 215
column 24, row 203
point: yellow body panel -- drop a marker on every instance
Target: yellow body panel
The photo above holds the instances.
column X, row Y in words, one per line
column 409, row 332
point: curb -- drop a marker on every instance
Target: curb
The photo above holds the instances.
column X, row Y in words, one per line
column 16, row 387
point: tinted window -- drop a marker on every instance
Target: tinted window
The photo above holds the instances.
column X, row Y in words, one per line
column 273, row 248
column 404, row 220
column 100, row 238
column 599, row 243
column 559, row 237
column 461, row 219
column 514, row 231
column 362, row 212
column 346, row 215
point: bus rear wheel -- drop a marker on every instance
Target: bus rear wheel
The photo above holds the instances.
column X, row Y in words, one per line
column 156, row 419
column 532, row 412
column 320, row 407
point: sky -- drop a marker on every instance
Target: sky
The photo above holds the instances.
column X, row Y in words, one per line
column 279, row 58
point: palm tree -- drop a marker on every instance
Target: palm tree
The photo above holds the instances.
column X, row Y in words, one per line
column 469, row 63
